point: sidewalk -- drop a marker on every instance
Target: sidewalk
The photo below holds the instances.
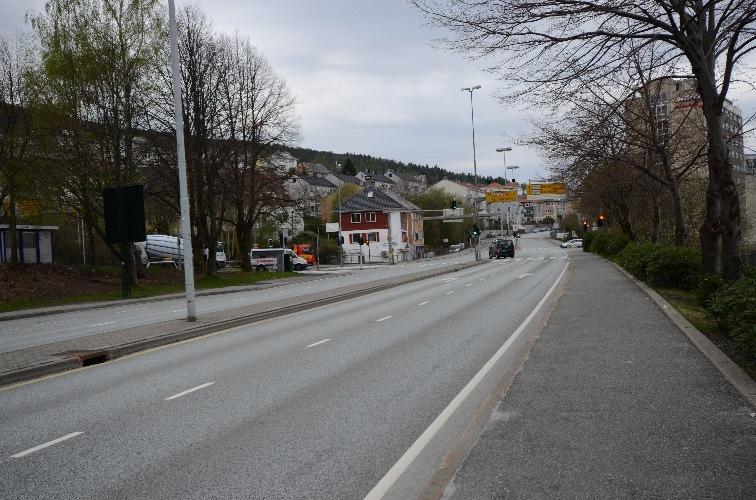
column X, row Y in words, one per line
column 54, row 357
column 613, row 401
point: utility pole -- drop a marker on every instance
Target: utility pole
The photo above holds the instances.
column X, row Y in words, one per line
column 475, row 167
column 186, row 228
column 338, row 239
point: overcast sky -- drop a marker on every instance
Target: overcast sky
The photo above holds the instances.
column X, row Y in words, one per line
column 369, row 80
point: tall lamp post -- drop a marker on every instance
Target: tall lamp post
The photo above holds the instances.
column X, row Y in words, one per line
column 338, row 238
column 475, row 167
column 186, row 229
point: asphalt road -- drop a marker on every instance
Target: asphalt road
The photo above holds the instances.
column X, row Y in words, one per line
column 29, row 332
column 317, row 404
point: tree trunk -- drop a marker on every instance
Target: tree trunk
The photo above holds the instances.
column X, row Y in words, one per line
column 91, row 241
column 12, row 227
column 656, row 219
column 242, row 242
column 681, row 227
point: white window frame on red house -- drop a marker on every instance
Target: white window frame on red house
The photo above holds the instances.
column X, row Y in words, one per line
column 374, row 236
column 356, row 217
column 370, row 217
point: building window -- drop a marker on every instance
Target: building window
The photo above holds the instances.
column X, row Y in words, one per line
column 356, row 218
column 373, row 237
column 370, row 217
column 404, row 236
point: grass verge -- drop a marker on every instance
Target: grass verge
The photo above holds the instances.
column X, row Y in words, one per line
column 220, row 280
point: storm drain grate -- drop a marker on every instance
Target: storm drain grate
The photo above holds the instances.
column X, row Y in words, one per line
column 84, row 357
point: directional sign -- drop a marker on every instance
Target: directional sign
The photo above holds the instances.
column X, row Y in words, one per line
column 536, row 188
column 501, row 196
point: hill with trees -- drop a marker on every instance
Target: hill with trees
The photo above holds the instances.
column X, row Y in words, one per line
column 369, row 163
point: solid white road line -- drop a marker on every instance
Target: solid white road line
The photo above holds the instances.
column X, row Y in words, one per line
column 469, row 284
column 383, row 486
column 449, row 293
column 383, row 319
column 318, row 343
column 102, row 324
column 184, row 393
column 423, row 303
column 45, row 445
column 523, row 275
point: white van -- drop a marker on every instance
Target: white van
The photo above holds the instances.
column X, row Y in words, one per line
column 264, row 259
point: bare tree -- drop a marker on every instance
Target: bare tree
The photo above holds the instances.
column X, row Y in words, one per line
column 16, row 132
column 553, row 46
column 94, row 84
column 262, row 119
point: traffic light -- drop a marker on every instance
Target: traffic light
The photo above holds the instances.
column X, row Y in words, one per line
column 476, row 230
column 270, row 242
column 341, row 240
column 601, row 220
column 453, row 204
column 585, row 226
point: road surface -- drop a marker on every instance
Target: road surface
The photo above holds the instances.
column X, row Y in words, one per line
column 316, row 404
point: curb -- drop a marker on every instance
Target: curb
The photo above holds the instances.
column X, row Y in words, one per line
column 735, row 375
column 33, row 313
column 117, row 351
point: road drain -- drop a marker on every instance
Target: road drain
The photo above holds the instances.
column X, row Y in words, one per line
column 92, row 358
column 83, row 357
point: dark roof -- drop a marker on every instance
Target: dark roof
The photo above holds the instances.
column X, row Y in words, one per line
column 317, row 181
column 315, row 168
column 381, row 199
column 380, row 178
column 349, row 178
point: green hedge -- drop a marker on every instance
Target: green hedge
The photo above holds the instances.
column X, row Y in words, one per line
column 604, row 242
column 734, row 307
column 662, row 265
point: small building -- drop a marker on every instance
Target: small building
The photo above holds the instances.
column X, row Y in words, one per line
column 377, row 179
column 35, row 243
column 388, row 223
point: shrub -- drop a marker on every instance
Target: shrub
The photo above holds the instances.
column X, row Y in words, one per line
column 706, row 286
column 674, row 266
column 600, row 241
column 635, row 258
column 617, row 242
column 588, row 241
column 734, row 307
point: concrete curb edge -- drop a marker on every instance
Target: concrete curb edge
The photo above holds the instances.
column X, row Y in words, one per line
column 32, row 372
column 727, row 367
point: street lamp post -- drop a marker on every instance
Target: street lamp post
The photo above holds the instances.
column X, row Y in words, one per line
column 186, row 229
column 475, row 167
column 338, row 238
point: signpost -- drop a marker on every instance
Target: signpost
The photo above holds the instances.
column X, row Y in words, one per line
column 501, row 196
column 546, row 188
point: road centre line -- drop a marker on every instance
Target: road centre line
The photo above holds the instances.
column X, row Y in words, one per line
column 423, row 303
column 449, row 293
column 101, row 324
column 184, row 393
column 45, row 445
column 469, row 284
column 318, row 343
column 404, row 462
column 383, row 319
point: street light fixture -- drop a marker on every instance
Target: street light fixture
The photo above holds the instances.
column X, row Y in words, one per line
column 475, row 166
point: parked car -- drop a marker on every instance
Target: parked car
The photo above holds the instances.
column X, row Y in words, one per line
column 501, row 248
column 455, row 248
column 576, row 243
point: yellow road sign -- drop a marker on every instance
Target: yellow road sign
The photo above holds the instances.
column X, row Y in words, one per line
column 501, row 196
column 535, row 188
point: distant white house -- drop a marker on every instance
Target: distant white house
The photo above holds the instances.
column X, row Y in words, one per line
column 378, row 180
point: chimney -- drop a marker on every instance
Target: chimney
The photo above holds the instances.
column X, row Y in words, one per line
column 368, row 180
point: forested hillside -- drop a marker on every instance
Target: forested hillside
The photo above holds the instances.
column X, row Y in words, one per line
column 380, row 165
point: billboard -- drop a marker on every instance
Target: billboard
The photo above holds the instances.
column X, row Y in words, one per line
column 501, row 196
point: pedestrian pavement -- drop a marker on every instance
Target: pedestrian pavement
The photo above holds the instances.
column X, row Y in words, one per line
column 31, row 362
column 613, row 401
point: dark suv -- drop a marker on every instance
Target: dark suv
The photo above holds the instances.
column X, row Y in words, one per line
column 501, row 248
